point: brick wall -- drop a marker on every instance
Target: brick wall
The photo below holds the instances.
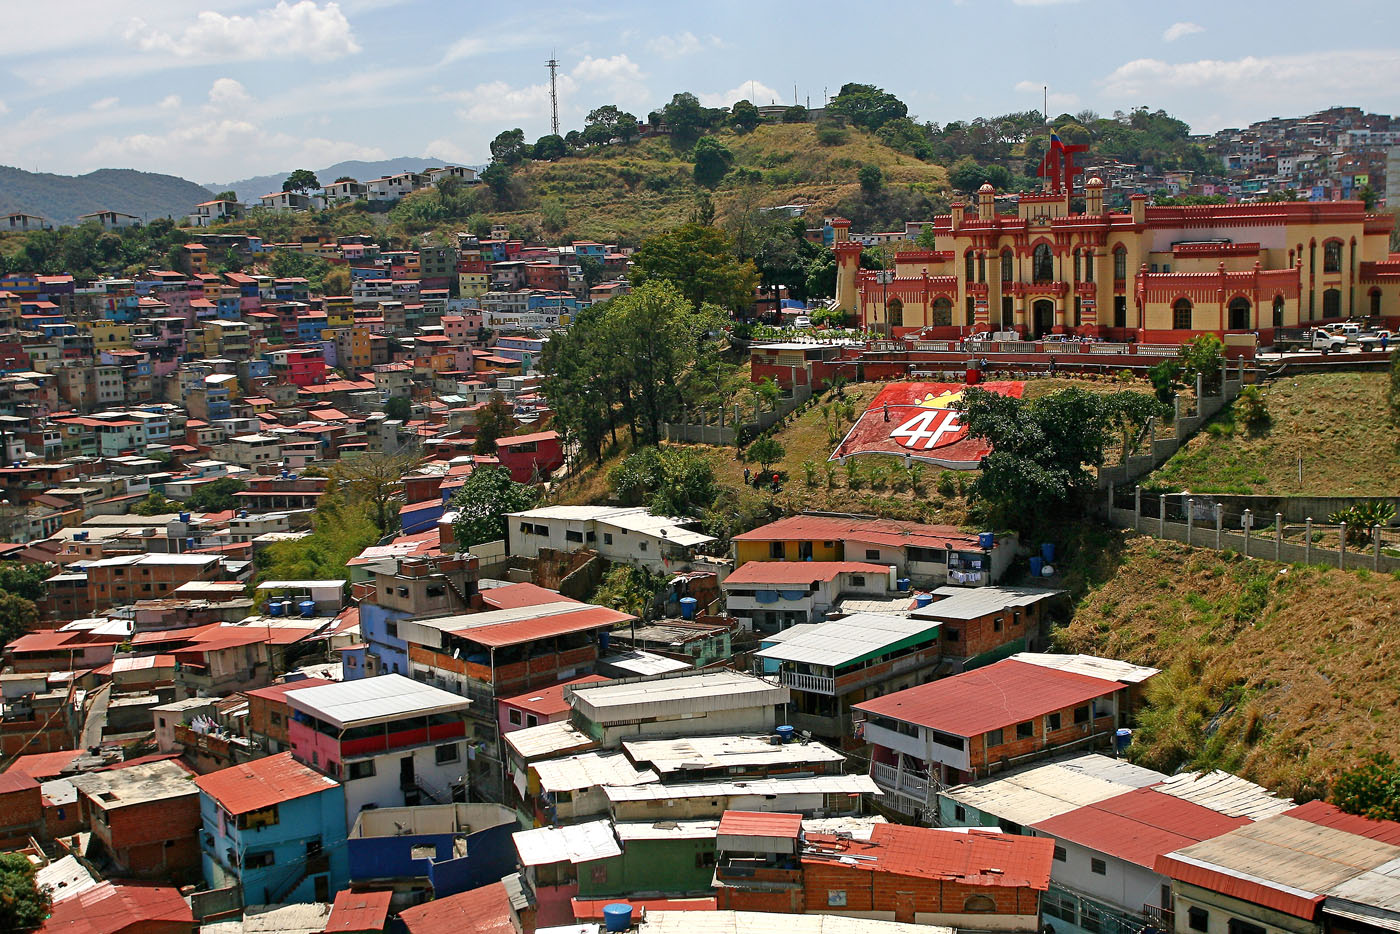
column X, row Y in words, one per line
column 981, row 756
column 155, row 839
column 886, row 891
column 21, row 814
column 982, row 634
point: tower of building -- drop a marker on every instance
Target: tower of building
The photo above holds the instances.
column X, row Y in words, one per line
column 847, row 265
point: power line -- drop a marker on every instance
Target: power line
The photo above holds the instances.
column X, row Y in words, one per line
column 553, row 64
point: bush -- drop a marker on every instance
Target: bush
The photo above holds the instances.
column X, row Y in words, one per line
column 1361, row 518
column 1251, row 408
column 831, row 135
column 1370, row 790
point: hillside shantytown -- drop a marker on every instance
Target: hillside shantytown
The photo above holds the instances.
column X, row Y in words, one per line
column 846, row 525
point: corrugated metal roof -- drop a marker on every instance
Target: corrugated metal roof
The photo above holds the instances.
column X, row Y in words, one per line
column 1329, row 815
column 976, row 857
column 373, row 700
column 759, row 824
column 582, row 618
column 108, row 907
column 763, row 922
column 547, row 739
column 574, row 843
column 812, row 785
column 999, row 695
column 799, row 572
column 590, row 770
column 964, row 603
column 709, row 752
column 253, row 786
column 874, row 531
column 1045, row 791
column 354, row 912
column 667, row 830
column 701, row 692
column 1110, row 669
column 842, row 641
column 486, row 910
column 1226, row 794
column 1377, row 888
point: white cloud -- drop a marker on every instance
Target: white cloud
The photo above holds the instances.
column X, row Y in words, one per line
column 170, row 102
column 1059, row 102
column 1042, row 2
column 466, row 47
column 756, row 92
column 1181, row 30
column 498, row 103
column 4, row 108
column 683, row 43
column 302, row 30
column 104, row 103
column 443, row 148
column 617, row 69
column 1237, row 91
column 226, row 95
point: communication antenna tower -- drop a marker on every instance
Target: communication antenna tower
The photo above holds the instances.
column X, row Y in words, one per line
column 553, row 64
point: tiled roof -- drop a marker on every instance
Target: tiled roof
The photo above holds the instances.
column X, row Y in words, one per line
column 253, row 786
column 486, row 910
column 355, row 912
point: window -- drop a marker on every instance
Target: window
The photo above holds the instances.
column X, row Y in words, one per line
column 1239, row 309
column 1098, row 867
column 1052, row 722
column 1042, row 263
column 641, row 546
column 1197, row 919
column 980, row 903
column 996, row 624
column 946, row 739
column 447, row 753
column 971, row 306
column 532, row 720
column 942, row 312
column 572, row 536
column 836, row 898
column 777, row 550
column 1181, row 314
column 1236, row 926
column 1058, row 905
column 1088, row 266
column 1091, row 920
column 514, row 717
column 391, row 630
column 704, row 859
column 1078, row 264
column 952, row 635
column 274, row 717
column 1120, row 264
column 1332, row 303
column 1006, row 265
column 607, row 538
column 435, row 590
column 994, row 738
column 1332, row 256
column 1081, row 714
column 959, row 813
column 1060, row 854
column 857, row 580
column 967, row 266
column 1278, row 311
column 981, row 267
column 1120, row 311
column 1025, row 730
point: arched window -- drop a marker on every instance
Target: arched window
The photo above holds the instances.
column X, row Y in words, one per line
column 971, row 306
column 1181, row 315
column 1007, row 314
column 1278, row 311
column 1120, row 263
column 1375, row 303
column 967, row 266
column 1088, row 265
column 1332, row 256
column 1042, row 263
column 981, row 267
column 979, row 903
column 1006, row 266
column 1332, row 303
column 1078, row 264
column 1239, row 314
column 895, row 312
column 942, row 312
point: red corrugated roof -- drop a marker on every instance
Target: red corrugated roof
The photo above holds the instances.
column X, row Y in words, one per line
column 485, row 910
column 1329, row 815
column 262, row 783
column 44, row 765
column 16, row 781
column 1000, row 695
column 355, row 912
column 550, row 701
column 278, row 692
column 1258, row 893
column 514, row 596
column 524, row 439
column 977, row 857
column 759, row 824
column 527, row 629
column 1139, row 825
column 46, row 640
column 799, row 572
column 875, row 531
column 108, row 909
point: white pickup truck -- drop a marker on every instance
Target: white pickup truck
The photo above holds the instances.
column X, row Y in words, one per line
column 1380, row 340
column 1308, row 339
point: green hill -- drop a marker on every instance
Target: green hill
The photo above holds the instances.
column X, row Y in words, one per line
column 61, row 198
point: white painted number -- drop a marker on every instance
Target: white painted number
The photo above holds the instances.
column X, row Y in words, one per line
column 928, row 429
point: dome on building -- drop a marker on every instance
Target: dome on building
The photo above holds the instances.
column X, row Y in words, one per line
column 1094, row 182
column 987, row 186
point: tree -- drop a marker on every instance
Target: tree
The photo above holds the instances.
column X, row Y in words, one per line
column 341, row 529
column 1042, row 450
column 553, row 215
column 1204, row 355
column 508, row 148
column 871, row 179
column 1371, row 789
column 228, row 195
column 25, row 580
column 345, row 178
column 216, row 495
column 629, row 589
column 764, row 451
column 867, row 106
column 743, row 116
column 155, row 504
column 376, row 480
column 795, row 114
column 699, row 261
column 685, row 117
column 399, row 408
column 606, row 123
column 574, row 140
column 967, row 175
column 23, row 905
column 494, row 420
column 17, row 616
column 302, row 180
column 1367, row 196
column 336, row 282
column 549, row 148
column 481, row 505
column 498, row 178
column 712, row 160
column 592, row 269
column 670, row 481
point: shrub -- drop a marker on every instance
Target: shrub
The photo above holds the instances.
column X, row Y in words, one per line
column 853, row 474
column 831, row 135
column 809, row 472
column 1361, row 518
column 1251, row 408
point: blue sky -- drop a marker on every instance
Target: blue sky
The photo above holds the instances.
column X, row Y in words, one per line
column 223, row 90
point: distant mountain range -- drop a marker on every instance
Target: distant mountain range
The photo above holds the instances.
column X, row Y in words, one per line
column 251, row 189
column 61, row 198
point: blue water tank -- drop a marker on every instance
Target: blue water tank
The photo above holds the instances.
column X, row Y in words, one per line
column 307, row 607
column 688, row 605
column 986, row 540
column 603, row 639
column 274, row 608
column 1121, row 739
column 903, row 584
column 1047, row 551
column 1037, row 562
column 922, row 599
column 786, row 733
column 185, row 517
column 617, row 917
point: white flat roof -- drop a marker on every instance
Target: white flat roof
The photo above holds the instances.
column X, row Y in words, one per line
column 590, row 770
column 811, row 785
column 373, row 700
column 709, row 752
column 546, row 739
column 643, row 663
column 764, row 922
column 1108, row 669
column 575, row 843
column 843, row 641
column 667, row 830
column 971, row 602
column 1045, row 791
column 301, row 585
column 690, row 693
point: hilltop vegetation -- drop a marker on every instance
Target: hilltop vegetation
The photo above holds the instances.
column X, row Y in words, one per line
column 61, row 198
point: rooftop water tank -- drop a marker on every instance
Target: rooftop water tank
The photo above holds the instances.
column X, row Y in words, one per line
column 986, row 540
column 307, row 607
column 185, row 517
column 274, row 608
column 1037, row 562
column 617, row 917
column 785, row 732
column 922, row 599
column 688, row 605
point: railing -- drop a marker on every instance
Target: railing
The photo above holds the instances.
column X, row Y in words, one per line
column 894, row 779
column 1158, row 917
column 817, row 684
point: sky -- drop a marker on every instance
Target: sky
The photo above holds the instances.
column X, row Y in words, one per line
column 217, row 91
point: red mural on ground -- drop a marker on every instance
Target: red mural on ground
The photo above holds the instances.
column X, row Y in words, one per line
column 916, row 420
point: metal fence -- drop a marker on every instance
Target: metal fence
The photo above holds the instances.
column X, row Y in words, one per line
column 723, row 426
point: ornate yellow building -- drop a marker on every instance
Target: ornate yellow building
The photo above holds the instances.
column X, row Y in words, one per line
column 1151, row 274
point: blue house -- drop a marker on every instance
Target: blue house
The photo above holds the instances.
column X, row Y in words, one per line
column 451, row 847
column 276, row 828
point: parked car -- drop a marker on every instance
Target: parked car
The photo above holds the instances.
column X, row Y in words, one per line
column 802, row 321
column 1376, row 341
column 1308, row 339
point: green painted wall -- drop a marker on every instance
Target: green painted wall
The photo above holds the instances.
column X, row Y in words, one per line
column 670, row 867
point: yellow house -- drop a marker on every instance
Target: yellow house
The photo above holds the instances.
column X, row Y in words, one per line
column 473, row 284
column 340, row 311
column 107, row 335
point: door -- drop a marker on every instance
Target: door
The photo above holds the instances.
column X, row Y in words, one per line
column 904, row 907
column 1044, row 311
column 407, row 779
column 322, row 885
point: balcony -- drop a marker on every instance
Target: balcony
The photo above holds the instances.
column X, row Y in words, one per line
column 900, row 781
column 816, row 684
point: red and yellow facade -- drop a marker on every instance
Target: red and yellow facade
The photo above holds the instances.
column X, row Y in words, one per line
column 1152, row 274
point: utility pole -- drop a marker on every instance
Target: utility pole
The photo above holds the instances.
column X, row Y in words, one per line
column 553, row 64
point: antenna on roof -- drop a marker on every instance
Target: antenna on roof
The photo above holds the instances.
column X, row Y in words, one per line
column 553, row 64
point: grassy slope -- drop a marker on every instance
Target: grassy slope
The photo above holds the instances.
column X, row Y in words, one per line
column 600, row 205
column 1334, row 421
column 1283, row 674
